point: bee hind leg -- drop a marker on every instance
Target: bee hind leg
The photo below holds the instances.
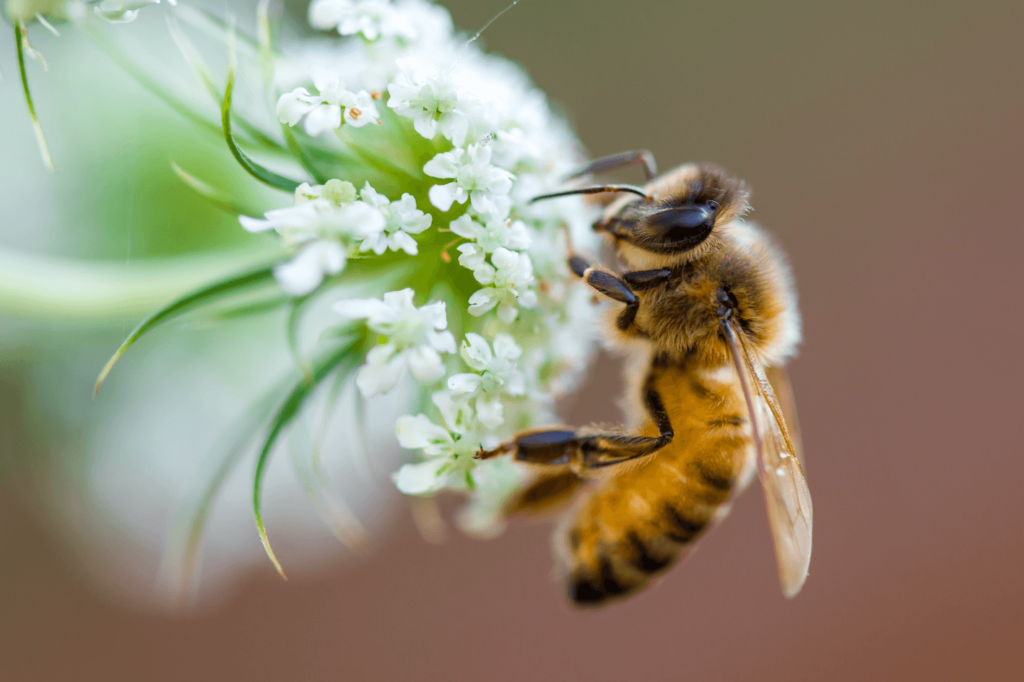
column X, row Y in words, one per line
column 561, row 446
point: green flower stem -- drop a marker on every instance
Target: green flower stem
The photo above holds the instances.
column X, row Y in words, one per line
column 45, row 288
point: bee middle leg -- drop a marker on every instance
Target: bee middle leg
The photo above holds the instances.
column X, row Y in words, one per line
column 560, row 446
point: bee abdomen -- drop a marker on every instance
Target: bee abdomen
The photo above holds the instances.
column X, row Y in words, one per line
column 608, row 561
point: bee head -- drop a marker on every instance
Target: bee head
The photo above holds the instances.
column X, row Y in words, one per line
column 683, row 208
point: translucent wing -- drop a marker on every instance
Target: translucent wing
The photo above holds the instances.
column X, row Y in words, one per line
column 778, row 377
column 785, row 489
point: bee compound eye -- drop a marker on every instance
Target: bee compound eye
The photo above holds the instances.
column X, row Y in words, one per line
column 682, row 227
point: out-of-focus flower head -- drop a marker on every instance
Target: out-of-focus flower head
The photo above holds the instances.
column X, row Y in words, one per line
column 469, row 304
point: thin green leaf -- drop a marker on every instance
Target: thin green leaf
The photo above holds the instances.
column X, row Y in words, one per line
column 215, row 27
column 248, row 309
column 364, row 441
column 294, row 322
column 21, row 38
column 154, row 86
column 303, row 156
column 205, row 77
column 266, row 42
column 220, row 199
column 202, row 296
column 228, row 451
column 291, row 406
column 338, row 517
column 233, row 445
column 254, row 169
column 173, row 100
column 193, row 58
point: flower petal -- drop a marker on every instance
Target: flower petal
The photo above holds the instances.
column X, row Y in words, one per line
column 462, row 385
column 443, row 342
column 381, row 372
column 465, row 226
column 420, row 478
column 292, row 106
column 433, row 315
column 322, row 118
column 304, row 273
column 482, row 301
column 255, row 224
column 425, row 364
column 505, row 348
column 489, row 412
column 444, row 165
column 476, row 352
column 419, row 432
column 507, row 313
column 443, row 196
column 401, row 241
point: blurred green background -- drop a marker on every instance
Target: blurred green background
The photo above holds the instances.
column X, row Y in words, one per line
column 882, row 142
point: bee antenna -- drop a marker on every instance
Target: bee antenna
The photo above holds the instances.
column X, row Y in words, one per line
column 595, row 189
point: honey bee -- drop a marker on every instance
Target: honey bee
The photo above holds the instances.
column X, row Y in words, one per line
column 708, row 318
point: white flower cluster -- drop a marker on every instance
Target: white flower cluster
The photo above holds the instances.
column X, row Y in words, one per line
column 374, row 19
column 483, row 142
column 415, row 338
column 329, row 108
column 327, row 224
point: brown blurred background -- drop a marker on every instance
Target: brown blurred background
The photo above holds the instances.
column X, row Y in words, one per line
column 883, row 143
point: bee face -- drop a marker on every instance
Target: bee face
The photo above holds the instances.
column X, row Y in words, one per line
column 682, row 212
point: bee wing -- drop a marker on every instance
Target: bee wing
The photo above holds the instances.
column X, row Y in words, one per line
column 778, row 377
column 785, row 488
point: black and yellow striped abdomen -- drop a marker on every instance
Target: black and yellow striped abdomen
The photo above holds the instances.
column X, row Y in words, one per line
column 643, row 517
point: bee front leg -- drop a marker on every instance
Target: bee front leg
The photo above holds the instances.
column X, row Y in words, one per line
column 620, row 289
column 606, row 283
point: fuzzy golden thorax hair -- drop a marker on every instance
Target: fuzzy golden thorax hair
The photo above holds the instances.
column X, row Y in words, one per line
column 683, row 317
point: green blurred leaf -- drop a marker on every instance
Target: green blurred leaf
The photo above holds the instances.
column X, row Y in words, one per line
column 216, row 197
column 265, row 176
column 321, row 368
column 203, row 296
column 232, row 446
column 294, row 322
column 205, row 77
column 21, row 39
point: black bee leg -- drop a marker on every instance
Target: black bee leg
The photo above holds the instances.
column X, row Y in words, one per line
column 617, row 290
column 610, row 285
column 549, row 492
column 606, row 163
column 561, row 446
column 578, row 265
column 641, row 280
column 552, row 445
column 605, row 450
